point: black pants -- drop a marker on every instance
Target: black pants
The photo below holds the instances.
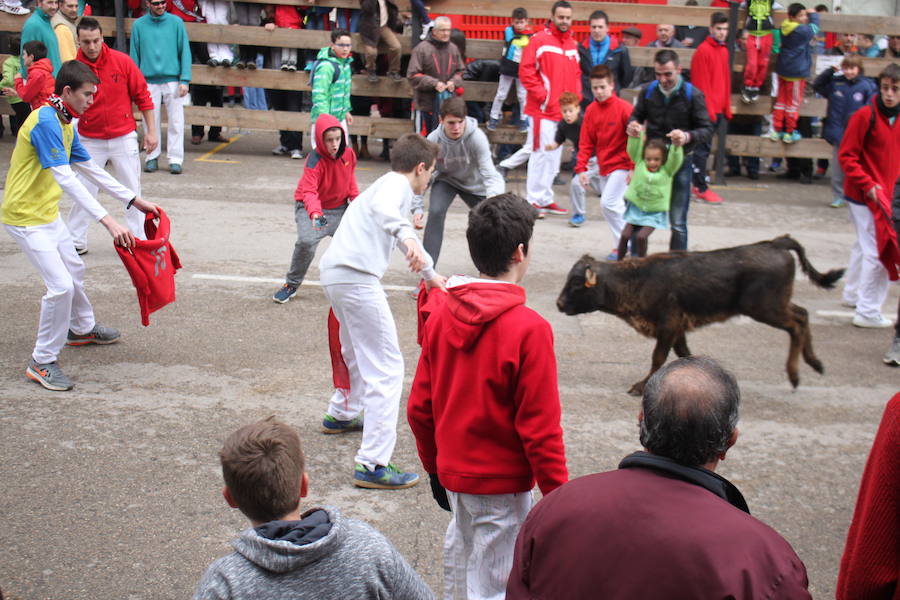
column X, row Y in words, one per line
column 701, row 158
column 287, row 100
column 201, row 95
column 22, row 110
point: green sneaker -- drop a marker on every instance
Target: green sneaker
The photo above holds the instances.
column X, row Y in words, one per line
column 332, row 425
column 383, row 478
column 151, row 166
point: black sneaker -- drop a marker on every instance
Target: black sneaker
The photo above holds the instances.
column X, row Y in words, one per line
column 98, row 335
column 49, row 375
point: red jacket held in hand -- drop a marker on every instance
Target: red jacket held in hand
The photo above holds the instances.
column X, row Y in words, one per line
column 152, row 263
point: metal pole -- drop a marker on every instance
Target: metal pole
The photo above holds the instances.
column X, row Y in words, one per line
column 120, row 26
column 723, row 124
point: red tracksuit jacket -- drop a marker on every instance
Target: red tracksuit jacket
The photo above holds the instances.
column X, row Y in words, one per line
column 152, row 264
column 712, row 76
column 603, row 134
column 549, row 67
column 484, row 404
column 121, row 83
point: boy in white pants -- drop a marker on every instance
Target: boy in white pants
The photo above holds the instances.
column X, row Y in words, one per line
column 41, row 164
column 515, row 39
column 484, row 445
column 351, row 271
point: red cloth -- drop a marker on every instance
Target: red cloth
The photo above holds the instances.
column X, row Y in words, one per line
column 786, row 110
column 340, row 376
column 484, row 404
column 152, row 263
column 121, row 84
column 327, row 182
column 870, row 567
column 603, row 135
column 870, row 158
column 189, row 5
column 39, row 86
column 549, row 67
column 288, row 17
column 758, row 51
column 711, row 73
column 637, row 534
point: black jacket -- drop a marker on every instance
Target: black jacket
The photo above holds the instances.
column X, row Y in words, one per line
column 619, row 62
column 661, row 117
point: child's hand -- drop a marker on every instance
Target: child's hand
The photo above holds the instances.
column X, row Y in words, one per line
column 414, row 255
column 583, row 178
column 269, row 26
column 419, row 220
column 440, row 86
column 438, row 281
column 551, row 146
column 634, row 129
column 451, row 86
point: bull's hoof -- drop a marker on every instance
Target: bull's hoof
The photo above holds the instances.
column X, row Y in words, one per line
column 816, row 364
column 637, row 389
column 795, row 381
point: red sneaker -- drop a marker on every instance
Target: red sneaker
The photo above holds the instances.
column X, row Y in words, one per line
column 709, row 196
column 555, row 209
column 541, row 213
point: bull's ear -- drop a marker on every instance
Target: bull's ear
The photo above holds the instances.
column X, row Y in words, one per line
column 590, row 278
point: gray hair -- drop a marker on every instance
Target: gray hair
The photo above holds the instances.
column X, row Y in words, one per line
column 690, row 411
column 443, row 19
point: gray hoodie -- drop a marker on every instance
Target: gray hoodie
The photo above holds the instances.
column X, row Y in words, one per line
column 466, row 163
column 323, row 556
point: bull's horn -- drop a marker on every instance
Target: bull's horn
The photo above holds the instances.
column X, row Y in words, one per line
column 590, row 278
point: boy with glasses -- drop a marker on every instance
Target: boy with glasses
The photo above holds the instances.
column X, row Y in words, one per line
column 329, row 78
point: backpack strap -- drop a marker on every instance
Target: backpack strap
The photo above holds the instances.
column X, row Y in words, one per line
column 315, row 64
column 650, row 87
column 688, row 90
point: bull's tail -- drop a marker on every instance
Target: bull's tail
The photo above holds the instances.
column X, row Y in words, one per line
column 826, row 280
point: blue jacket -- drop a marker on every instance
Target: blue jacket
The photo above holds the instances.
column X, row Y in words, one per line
column 845, row 97
column 795, row 58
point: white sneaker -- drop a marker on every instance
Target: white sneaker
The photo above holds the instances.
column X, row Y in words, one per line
column 296, row 154
column 13, row 10
column 848, row 303
column 279, row 150
column 426, row 29
column 879, row 322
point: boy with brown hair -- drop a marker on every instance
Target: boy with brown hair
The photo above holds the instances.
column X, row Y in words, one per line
column 484, row 405
column 289, row 555
column 40, row 82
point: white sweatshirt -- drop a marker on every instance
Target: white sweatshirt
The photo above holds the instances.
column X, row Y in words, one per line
column 373, row 225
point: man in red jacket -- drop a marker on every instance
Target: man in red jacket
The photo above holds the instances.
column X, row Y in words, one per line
column 603, row 164
column 711, row 73
column 870, row 157
column 327, row 187
column 483, row 446
column 549, row 67
column 664, row 525
column 107, row 129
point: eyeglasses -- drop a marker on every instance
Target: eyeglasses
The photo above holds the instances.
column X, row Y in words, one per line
column 344, row 45
column 162, row 3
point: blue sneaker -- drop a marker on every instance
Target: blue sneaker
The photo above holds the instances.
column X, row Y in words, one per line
column 795, row 137
column 332, row 425
column 151, row 166
column 383, row 478
column 492, row 124
column 523, row 125
column 576, row 220
column 284, row 293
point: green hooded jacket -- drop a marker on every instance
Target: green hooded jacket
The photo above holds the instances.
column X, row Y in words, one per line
column 330, row 94
column 652, row 191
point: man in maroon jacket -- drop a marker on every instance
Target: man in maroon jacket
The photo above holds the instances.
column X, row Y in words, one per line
column 107, row 129
column 664, row 525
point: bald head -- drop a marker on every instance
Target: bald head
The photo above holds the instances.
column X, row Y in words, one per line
column 690, row 411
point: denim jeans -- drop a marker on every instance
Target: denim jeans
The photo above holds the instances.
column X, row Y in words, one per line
column 681, row 202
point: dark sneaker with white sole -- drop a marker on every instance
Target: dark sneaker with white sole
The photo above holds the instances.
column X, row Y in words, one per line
column 49, row 375
column 98, row 335
column 285, row 293
column 332, row 425
column 383, row 478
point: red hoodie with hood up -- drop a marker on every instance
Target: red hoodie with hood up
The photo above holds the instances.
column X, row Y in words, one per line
column 484, row 404
column 327, row 182
column 39, row 85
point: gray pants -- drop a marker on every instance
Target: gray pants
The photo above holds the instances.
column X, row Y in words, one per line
column 837, row 175
column 308, row 239
column 442, row 194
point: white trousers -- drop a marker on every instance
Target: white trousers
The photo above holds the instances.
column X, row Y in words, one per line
column 371, row 351
column 611, row 189
column 479, row 545
column 65, row 305
column 124, row 157
column 866, row 283
column 167, row 93
column 216, row 13
column 507, row 81
column 312, row 133
column 519, row 157
column 543, row 165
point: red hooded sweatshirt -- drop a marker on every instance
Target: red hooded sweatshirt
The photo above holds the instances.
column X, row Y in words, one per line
column 603, row 134
column 549, row 67
column 40, row 83
column 484, row 404
column 121, row 84
column 327, row 182
column 870, row 157
column 712, row 76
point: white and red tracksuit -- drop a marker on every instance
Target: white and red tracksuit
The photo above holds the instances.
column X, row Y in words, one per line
column 549, row 67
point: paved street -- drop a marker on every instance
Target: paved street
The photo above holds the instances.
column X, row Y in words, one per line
column 113, row 490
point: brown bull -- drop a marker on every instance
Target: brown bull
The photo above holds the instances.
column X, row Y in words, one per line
column 664, row 296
